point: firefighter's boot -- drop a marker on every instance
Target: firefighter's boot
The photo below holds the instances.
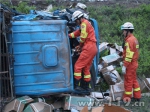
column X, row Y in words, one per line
column 77, row 84
column 88, row 86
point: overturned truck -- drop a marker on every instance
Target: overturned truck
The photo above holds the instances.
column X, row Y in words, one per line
column 41, row 56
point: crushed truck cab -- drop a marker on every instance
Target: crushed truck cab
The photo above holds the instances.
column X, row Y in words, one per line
column 43, row 59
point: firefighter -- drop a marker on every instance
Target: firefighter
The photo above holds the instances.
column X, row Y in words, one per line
column 130, row 62
column 87, row 45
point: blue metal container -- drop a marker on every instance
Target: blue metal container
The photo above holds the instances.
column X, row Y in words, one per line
column 96, row 58
column 42, row 58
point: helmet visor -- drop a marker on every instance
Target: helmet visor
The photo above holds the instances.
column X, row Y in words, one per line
column 122, row 27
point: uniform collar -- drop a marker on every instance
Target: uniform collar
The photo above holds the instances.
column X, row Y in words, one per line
column 83, row 20
column 130, row 35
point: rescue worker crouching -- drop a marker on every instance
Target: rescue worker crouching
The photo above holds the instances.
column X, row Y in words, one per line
column 130, row 62
column 87, row 45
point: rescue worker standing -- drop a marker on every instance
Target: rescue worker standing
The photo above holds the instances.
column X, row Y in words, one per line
column 130, row 62
column 88, row 47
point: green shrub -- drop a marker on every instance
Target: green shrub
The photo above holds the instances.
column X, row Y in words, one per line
column 23, row 7
column 110, row 18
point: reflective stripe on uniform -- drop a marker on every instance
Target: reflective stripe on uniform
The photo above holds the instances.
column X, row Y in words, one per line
column 129, row 53
column 90, row 86
column 83, row 31
column 81, row 41
column 72, row 35
column 137, row 89
column 87, row 76
column 128, row 93
column 77, row 74
column 127, row 59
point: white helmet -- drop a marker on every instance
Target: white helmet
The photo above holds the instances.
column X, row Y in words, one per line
column 81, row 5
column 76, row 15
column 127, row 26
column 86, row 16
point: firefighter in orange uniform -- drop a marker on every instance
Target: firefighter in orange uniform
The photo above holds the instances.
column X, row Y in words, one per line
column 130, row 62
column 89, row 50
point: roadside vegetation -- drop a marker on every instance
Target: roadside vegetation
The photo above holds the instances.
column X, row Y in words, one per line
column 110, row 18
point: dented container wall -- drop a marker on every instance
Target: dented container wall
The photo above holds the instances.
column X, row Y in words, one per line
column 42, row 59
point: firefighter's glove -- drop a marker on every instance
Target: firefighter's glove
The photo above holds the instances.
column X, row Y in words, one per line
column 78, row 48
column 121, row 64
column 123, row 70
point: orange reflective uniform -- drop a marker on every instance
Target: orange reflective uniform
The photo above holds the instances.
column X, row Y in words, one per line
column 130, row 60
column 89, row 49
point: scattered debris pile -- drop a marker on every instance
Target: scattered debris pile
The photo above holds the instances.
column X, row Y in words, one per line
column 109, row 62
column 27, row 104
